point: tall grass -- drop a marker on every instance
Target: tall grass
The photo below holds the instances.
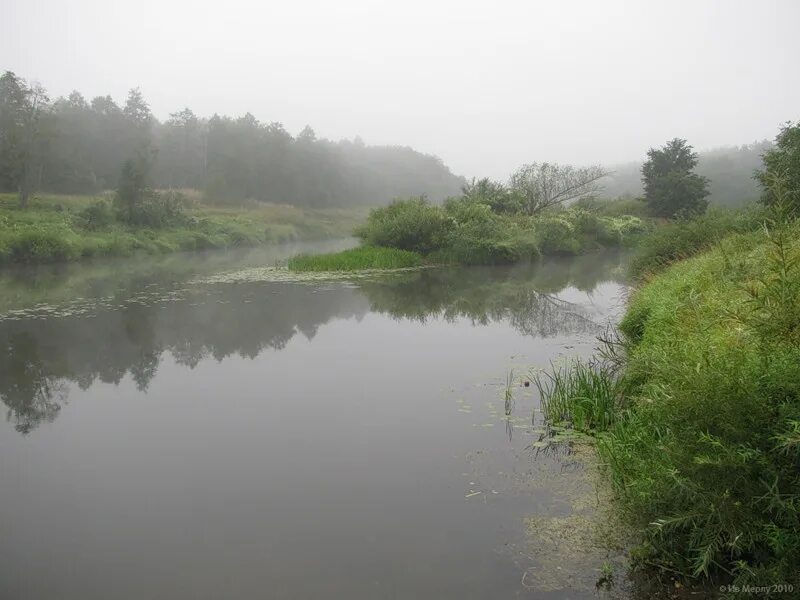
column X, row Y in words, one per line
column 674, row 241
column 356, row 259
column 706, row 456
column 581, row 395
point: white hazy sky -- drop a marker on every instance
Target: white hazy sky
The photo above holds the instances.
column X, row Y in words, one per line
column 485, row 85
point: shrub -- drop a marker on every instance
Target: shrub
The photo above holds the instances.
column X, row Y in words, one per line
column 412, row 224
column 97, row 215
column 38, row 245
column 556, row 235
column 480, row 236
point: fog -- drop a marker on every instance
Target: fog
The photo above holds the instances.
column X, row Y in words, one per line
column 485, row 86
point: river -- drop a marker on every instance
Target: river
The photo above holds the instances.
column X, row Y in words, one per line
column 173, row 433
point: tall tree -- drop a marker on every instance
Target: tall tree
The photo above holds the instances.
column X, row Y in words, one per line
column 671, row 187
column 544, row 185
column 782, row 168
column 182, row 150
column 23, row 133
column 133, row 190
column 13, row 98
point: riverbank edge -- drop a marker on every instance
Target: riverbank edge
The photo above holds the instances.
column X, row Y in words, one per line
column 698, row 303
column 54, row 229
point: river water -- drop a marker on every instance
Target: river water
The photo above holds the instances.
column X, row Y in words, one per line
column 172, row 433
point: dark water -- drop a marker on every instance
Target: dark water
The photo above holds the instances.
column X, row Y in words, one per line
column 169, row 438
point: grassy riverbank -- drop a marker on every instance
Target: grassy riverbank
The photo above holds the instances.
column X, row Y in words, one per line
column 696, row 410
column 61, row 228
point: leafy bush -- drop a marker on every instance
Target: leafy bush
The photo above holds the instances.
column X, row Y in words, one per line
column 97, row 215
column 41, row 245
column 468, row 231
column 556, row 235
column 412, row 224
column 155, row 210
column 479, row 236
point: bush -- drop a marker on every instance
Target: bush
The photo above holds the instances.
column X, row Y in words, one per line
column 97, row 215
column 412, row 224
column 468, row 231
column 556, row 235
column 42, row 246
column 155, row 210
column 480, row 237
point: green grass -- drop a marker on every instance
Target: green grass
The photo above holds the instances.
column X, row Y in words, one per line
column 583, row 396
column 701, row 432
column 56, row 229
column 356, row 259
column 674, row 241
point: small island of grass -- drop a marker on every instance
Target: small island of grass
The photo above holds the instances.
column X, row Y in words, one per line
column 357, row 259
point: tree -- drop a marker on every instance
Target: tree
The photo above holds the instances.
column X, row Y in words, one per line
column 671, row 187
column 133, row 190
column 12, row 105
column 137, row 110
column 493, row 193
column 782, row 163
column 181, row 153
column 544, row 185
column 22, row 135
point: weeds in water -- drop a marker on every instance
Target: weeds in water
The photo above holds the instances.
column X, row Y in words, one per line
column 579, row 394
column 509, row 393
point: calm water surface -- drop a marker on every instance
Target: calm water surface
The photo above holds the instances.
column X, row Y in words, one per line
column 166, row 437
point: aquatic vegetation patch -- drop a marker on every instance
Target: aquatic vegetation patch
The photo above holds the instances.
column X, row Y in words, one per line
column 356, row 259
column 583, row 395
column 284, row 275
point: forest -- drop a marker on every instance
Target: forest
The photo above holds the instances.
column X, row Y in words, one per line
column 71, row 145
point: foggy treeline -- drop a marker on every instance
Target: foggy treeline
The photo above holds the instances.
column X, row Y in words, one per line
column 81, row 145
column 729, row 170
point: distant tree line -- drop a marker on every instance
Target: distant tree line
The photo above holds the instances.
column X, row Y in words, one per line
column 74, row 145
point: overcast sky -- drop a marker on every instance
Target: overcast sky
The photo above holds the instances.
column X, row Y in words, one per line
column 485, row 85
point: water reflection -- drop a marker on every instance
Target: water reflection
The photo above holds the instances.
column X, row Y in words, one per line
column 482, row 295
column 126, row 326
